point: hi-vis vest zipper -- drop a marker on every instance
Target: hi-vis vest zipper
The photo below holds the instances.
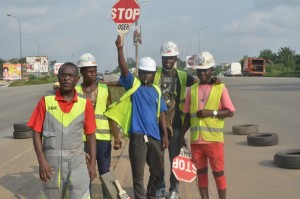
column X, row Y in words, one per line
column 121, row 110
column 102, row 126
column 211, row 129
column 182, row 79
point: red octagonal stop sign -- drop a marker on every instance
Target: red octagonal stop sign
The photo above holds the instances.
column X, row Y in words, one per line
column 125, row 12
column 183, row 168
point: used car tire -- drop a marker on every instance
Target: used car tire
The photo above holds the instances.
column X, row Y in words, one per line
column 245, row 129
column 289, row 159
column 21, row 126
column 22, row 134
column 262, row 139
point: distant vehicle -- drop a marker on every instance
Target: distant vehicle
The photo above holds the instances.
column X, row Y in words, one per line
column 235, row 69
column 254, row 66
column 106, row 72
column 100, row 77
column 56, row 85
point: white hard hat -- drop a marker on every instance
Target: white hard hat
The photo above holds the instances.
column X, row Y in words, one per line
column 147, row 64
column 87, row 60
column 169, row 49
column 204, row 60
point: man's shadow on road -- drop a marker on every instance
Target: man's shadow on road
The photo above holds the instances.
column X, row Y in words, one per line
column 22, row 184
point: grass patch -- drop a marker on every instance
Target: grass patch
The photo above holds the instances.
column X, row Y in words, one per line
column 283, row 74
column 34, row 81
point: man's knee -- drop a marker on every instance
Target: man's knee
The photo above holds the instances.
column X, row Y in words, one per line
column 218, row 173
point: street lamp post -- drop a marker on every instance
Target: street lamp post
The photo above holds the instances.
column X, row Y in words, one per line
column 137, row 44
column 20, row 40
column 187, row 49
column 38, row 45
column 201, row 28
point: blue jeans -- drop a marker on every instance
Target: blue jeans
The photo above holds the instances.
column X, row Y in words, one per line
column 174, row 150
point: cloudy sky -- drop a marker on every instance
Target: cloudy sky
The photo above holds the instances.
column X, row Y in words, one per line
column 65, row 29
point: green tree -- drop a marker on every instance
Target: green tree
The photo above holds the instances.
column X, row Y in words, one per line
column 287, row 58
column 2, row 61
column 268, row 55
column 131, row 63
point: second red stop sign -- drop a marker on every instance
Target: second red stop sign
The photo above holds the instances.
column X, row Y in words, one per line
column 125, row 12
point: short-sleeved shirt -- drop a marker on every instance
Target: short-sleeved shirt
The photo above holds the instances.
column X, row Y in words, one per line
column 144, row 108
column 203, row 93
column 37, row 118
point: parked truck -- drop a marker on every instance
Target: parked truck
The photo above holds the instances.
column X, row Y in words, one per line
column 235, row 69
column 254, row 66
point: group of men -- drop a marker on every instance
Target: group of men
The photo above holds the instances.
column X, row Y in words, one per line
column 75, row 113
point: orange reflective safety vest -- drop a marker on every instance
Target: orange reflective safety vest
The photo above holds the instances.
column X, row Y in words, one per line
column 182, row 79
column 102, row 126
column 210, row 128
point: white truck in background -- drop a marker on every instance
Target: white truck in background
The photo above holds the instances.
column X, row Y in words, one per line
column 235, row 69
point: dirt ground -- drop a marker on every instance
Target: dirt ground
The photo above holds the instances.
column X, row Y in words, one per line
column 115, row 154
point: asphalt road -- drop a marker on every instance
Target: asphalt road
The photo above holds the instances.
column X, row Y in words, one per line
column 272, row 103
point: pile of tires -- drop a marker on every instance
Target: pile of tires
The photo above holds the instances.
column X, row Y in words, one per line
column 22, row 131
column 254, row 138
column 288, row 159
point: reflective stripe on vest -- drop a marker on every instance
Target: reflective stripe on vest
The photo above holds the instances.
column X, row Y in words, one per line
column 102, row 126
column 211, row 129
column 182, row 79
column 62, row 132
column 121, row 110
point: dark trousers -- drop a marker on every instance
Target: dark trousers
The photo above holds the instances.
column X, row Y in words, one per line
column 140, row 153
column 174, row 150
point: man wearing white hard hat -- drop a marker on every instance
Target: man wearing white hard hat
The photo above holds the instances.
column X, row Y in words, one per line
column 100, row 97
column 140, row 113
column 172, row 83
column 206, row 106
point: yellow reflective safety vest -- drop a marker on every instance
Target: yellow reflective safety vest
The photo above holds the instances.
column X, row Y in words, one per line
column 210, row 128
column 102, row 126
column 121, row 110
column 63, row 131
column 182, row 79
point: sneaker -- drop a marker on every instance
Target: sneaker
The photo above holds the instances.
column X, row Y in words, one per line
column 174, row 195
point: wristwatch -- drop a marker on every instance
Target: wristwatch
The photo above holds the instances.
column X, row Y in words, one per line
column 215, row 113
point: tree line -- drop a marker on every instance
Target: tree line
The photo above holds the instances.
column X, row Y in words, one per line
column 285, row 60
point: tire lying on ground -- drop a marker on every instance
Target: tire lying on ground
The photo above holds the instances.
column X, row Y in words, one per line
column 21, row 126
column 245, row 129
column 262, row 139
column 22, row 134
column 289, row 159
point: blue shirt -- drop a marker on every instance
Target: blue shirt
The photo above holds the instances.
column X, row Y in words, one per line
column 144, row 108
